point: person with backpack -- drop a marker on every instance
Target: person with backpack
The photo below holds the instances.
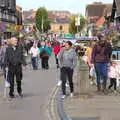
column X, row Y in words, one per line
column 45, row 53
column 100, row 58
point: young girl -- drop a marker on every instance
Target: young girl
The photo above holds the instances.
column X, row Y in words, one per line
column 113, row 76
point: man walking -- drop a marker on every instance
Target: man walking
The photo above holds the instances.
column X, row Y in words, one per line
column 13, row 63
column 34, row 51
column 68, row 60
column 45, row 53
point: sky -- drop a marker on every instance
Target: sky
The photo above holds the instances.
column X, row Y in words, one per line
column 74, row 6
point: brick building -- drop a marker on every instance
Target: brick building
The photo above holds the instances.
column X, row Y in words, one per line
column 96, row 10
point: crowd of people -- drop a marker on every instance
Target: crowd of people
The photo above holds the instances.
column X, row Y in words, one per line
column 100, row 62
column 98, row 59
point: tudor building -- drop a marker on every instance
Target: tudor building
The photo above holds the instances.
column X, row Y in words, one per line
column 7, row 16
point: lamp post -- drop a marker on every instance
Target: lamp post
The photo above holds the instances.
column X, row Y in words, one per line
column 77, row 23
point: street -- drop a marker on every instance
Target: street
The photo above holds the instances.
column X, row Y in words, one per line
column 37, row 86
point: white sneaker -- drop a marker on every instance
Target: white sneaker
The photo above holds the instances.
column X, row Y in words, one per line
column 67, row 85
column 115, row 92
column 59, row 83
column 71, row 95
column 63, row 97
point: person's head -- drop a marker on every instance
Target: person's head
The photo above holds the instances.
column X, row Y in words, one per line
column 63, row 43
column 34, row 45
column 113, row 64
column 102, row 38
column 14, row 41
column 68, row 45
column 42, row 43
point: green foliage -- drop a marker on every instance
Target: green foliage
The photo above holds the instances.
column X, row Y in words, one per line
column 42, row 20
column 73, row 28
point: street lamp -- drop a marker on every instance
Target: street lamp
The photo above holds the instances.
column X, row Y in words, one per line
column 77, row 23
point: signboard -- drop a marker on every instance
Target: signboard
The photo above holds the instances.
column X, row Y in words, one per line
column 77, row 21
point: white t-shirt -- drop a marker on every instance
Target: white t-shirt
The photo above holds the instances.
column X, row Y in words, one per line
column 34, row 51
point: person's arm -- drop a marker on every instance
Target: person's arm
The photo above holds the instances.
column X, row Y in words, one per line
column 74, row 60
column 60, row 57
column 48, row 51
column 93, row 54
column 6, row 59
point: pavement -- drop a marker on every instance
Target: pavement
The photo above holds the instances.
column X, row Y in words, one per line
column 93, row 107
column 37, row 87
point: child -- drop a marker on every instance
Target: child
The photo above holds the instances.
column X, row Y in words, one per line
column 113, row 76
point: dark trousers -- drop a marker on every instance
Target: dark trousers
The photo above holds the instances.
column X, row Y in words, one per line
column 113, row 83
column 11, row 76
column 34, row 63
column 44, row 62
column 57, row 63
column 67, row 73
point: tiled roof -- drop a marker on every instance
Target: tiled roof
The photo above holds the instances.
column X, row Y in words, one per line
column 98, row 9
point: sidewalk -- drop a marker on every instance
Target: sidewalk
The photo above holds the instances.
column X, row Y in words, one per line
column 96, row 107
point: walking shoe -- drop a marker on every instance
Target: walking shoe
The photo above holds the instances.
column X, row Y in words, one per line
column 67, row 85
column 21, row 95
column 115, row 92
column 11, row 95
column 59, row 83
column 71, row 95
column 63, row 97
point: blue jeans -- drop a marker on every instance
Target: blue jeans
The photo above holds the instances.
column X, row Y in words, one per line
column 101, row 71
column 34, row 63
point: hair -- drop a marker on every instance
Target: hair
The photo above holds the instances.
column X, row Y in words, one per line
column 69, row 43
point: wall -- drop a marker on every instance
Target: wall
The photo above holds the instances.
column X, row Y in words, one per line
column 56, row 27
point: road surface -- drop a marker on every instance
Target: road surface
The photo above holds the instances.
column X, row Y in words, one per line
column 37, row 87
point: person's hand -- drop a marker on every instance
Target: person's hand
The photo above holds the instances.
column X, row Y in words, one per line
column 23, row 67
column 6, row 69
column 92, row 65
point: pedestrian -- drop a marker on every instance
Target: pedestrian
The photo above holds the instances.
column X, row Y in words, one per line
column 13, row 63
column 56, row 50
column 45, row 53
column 100, row 58
column 34, row 52
column 88, row 53
column 67, row 59
column 113, row 72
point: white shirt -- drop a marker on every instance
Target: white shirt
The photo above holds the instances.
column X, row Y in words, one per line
column 34, row 51
column 113, row 72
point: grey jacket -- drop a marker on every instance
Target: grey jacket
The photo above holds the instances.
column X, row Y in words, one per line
column 67, row 58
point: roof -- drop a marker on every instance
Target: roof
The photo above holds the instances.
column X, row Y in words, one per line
column 18, row 8
column 62, row 17
column 61, row 21
column 98, row 9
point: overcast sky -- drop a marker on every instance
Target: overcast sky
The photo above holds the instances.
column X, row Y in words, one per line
column 74, row 6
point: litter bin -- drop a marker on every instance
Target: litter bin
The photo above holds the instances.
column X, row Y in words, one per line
column 83, row 78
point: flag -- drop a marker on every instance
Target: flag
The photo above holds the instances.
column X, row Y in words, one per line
column 100, row 22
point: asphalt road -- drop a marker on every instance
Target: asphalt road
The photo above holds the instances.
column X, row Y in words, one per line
column 37, row 87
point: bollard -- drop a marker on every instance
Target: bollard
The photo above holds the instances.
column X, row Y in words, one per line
column 83, row 78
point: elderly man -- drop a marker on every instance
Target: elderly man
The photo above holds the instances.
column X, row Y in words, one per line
column 13, row 63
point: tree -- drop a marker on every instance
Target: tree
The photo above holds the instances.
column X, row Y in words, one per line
column 73, row 28
column 41, row 20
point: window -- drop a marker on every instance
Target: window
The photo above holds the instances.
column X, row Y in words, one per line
column 61, row 27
